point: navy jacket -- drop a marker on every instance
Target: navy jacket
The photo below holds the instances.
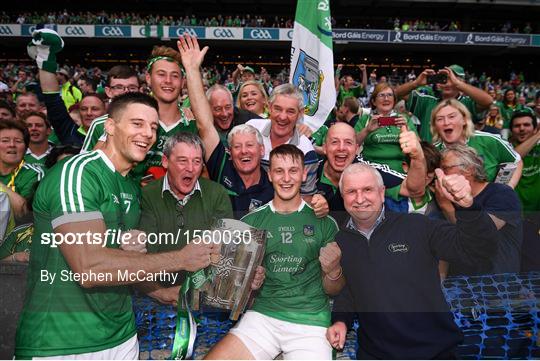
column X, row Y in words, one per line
column 64, row 127
column 393, row 284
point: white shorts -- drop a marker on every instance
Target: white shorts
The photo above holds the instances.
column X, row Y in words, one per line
column 129, row 350
column 265, row 337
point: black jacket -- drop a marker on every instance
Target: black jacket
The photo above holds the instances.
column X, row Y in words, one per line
column 393, row 284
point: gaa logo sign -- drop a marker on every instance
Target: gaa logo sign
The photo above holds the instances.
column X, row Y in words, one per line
column 223, row 33
column 260, row 34
column 190, row 31
column 112, row 31
column 75, row 30
column 5, row 30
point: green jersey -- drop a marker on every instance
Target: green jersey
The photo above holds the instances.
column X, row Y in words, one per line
column 39, row 160
column 18, row 240
column 422, row 105
column 23, row 179
column 528, row 188
column 507, row 110
column 60, row 317
column 492, row 149
column 53, row 138
column 382, row 145
column 355, row 92
column 293, row 290
column 96, row 133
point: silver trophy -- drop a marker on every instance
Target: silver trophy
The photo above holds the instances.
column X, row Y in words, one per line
column 242, row 250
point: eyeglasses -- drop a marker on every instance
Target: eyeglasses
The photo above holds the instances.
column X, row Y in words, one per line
column 385, row 95
column 447, row 167
column 179, row 215
column 130, row 88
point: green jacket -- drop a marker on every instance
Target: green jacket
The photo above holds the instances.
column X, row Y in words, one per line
column 161, row 218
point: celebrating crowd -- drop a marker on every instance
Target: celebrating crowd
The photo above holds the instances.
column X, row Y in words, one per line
column 396, row 191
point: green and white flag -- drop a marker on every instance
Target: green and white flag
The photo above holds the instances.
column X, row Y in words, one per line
column 153, row 31
column 312, row 60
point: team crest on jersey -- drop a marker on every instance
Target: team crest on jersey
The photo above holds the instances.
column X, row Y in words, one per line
column 115, row 199
column 255, row 203
column 227, row 182
column 397, row 247
column 309, row 230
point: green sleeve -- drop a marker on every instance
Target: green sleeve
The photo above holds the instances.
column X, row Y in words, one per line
column 148, row 221
column 505, row 152
column 95, row 132
column 223, row 204
column 394, row 193
column 27, row 179
column 330, row 230
column 362, row 122
column 358, row 91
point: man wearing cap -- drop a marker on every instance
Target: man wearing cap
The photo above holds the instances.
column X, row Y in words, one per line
column 70, row 94
column 421, row 105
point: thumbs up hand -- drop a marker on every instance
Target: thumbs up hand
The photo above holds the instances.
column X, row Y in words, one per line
column 408, row 141
column 455, row 188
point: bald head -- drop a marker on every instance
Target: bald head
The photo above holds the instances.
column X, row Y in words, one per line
column 340, row 147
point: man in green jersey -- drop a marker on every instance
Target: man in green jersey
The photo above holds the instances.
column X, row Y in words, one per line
column 291, row 312
column 165, row 80
column 345, row 86
column 39, row 129
column 421, row 105
column 17, row 178
column 77, row 304
column 526, row 139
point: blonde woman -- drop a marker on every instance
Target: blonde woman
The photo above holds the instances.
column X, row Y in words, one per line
column 253, row 97
column 451, row 124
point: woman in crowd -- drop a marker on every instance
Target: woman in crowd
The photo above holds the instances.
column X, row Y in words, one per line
column 451, row 124
column 253, row 97
column 379, row 131
column 508, row 105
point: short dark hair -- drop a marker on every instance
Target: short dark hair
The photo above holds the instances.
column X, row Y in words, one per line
column 119, row 103
column 89, row 81
column 6, row 105
column 121, row 72
column 18, row 125
column 26, row 115
column 287, row 150
column 519, row 114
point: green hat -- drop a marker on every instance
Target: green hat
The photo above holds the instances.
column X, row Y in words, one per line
column 250, row 69
column 458, row 70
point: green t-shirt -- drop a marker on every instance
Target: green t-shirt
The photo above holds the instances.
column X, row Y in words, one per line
column 61, row 317
column 356, row 92
column 382, row 145
column 18, row 240
column 293, row 290
column 422, row 105
column 492, row 149
column 25, row 179
column 506, row 111
column 528, row 188
column 31, row 158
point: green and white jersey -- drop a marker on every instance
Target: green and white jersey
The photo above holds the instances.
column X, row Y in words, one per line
column 95, row 133
column 355, row 92
column 492, row 149
column 59, row 316
column 22, row 180
column 528, row 188
column 293, row 290
column 422, row 105
column 382, row 145
column 31, row 158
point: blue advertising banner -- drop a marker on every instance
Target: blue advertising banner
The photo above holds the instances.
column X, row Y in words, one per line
column 176, row 31
column 113, row 31
column 356, row 35
column 261, row 34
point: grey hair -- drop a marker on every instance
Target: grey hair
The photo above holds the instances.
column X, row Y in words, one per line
column 288, row 90
column 245, row 129
column 217, row 87
column 469, row 159
column 183, row 137
column 357, row 168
